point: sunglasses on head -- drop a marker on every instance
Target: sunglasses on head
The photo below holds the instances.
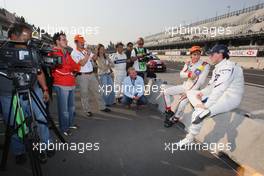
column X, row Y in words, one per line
column 196, row 54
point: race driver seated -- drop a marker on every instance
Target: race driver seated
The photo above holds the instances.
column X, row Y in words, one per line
column 223, row 93
column 196, row 71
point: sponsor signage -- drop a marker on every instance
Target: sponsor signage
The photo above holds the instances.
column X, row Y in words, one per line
column 248, row 53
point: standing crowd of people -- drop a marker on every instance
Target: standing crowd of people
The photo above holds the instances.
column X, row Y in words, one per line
column 123, row 73
column 79, row 67
column 94, row 70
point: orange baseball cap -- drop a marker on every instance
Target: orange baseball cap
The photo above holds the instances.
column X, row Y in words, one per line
column 79, row 38
column 195, row 48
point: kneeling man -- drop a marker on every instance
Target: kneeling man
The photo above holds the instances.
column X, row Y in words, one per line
column 133, row 89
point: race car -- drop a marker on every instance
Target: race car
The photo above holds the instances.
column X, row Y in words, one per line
column 155, row 64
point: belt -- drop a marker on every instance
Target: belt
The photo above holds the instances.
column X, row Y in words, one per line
column 85, row 73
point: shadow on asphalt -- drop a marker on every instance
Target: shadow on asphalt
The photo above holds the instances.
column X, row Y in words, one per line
column 131, row 142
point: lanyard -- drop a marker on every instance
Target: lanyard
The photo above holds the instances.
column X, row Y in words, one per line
column 133, row 81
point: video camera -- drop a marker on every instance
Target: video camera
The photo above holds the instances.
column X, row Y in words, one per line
column 22, row 61
column 145, row 57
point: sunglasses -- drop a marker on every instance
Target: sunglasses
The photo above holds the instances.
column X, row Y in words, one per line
column 196, row 54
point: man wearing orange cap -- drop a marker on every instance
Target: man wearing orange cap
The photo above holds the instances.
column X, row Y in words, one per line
column 195, row 71
column 86, row 77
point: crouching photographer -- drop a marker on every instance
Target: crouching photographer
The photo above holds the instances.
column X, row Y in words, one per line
column 16, row 104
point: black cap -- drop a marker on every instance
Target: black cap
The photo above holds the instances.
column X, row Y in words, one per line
column 219, row 49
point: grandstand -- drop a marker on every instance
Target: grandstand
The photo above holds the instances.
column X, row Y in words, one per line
column 7, row 18
column 244, row 29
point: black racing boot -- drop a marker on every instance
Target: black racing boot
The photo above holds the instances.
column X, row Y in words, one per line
column 169, row 113
column 169, row 122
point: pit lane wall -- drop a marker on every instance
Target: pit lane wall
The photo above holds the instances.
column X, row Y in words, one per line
column 245, row 62
column 244, row 135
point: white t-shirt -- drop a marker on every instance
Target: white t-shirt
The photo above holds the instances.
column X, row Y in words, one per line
column 136, row 63
column 77, row 56
column 119, row 61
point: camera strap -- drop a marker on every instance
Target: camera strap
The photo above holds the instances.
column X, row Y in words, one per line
column 19, row 118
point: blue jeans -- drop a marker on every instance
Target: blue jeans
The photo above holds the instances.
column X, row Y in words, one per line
column 109, row 95
column 17, row 146
column 128, row 101
column 66, row 108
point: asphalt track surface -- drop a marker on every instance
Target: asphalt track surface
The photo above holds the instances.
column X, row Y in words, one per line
column 252, row 76
column 132, row 143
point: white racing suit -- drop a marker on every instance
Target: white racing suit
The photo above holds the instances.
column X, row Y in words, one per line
column 223, row 93
column 189, row 84
column 120, row 72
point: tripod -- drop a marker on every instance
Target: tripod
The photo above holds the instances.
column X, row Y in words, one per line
column 27, row 129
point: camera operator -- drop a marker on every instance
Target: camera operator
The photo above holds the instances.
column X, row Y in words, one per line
column 22, row 33
column 64, row 84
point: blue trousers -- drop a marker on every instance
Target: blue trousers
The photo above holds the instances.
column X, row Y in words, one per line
column 66, row 107
column 128, row 101
column 109, row 95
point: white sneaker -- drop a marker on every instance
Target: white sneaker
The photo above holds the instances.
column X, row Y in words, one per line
column 186, row 141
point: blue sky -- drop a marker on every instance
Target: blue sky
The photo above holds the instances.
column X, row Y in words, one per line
column 120, row 20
